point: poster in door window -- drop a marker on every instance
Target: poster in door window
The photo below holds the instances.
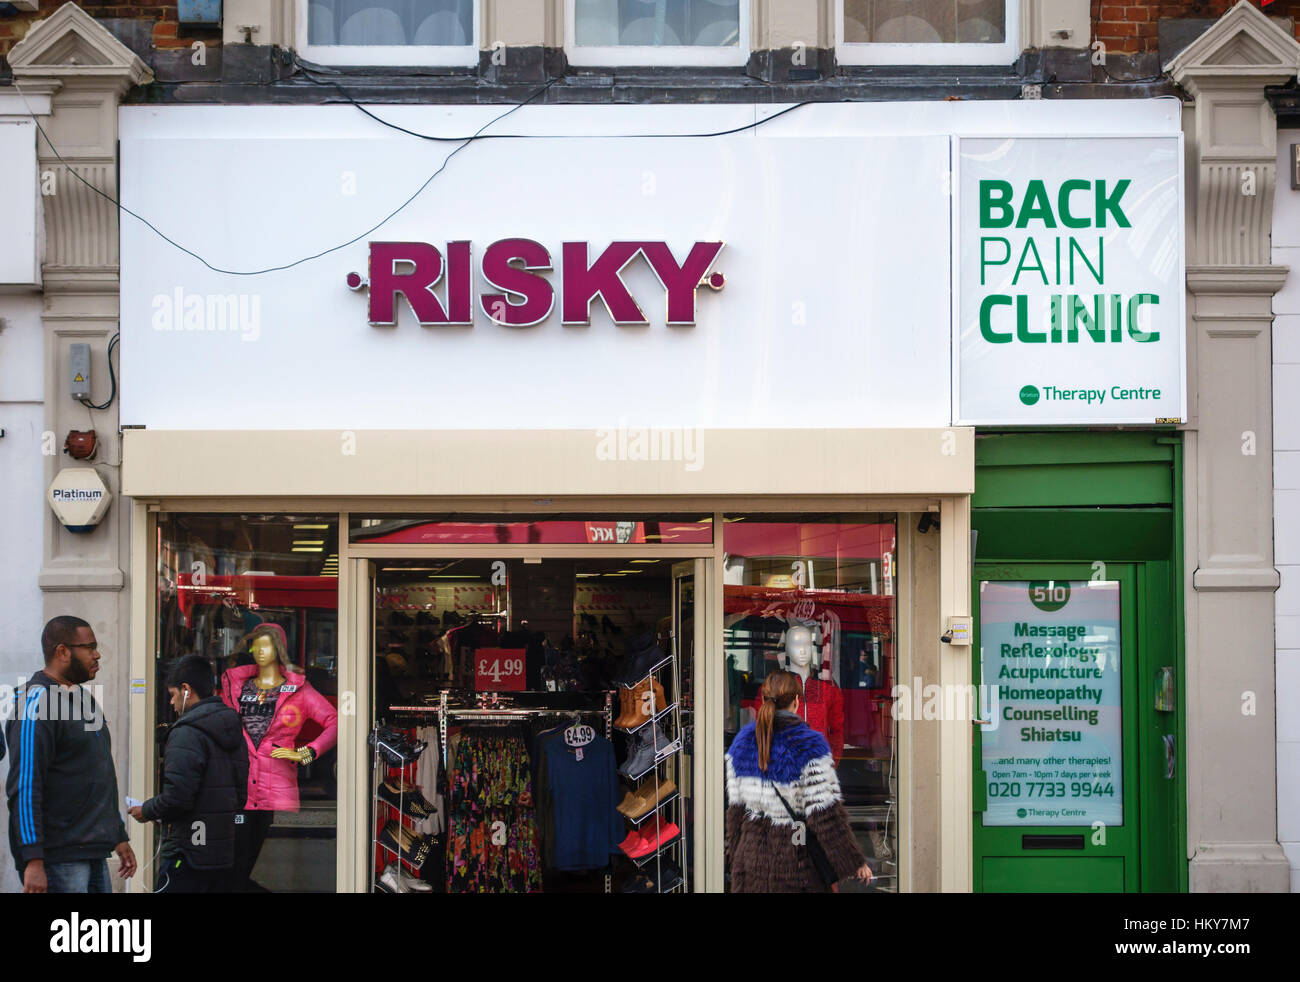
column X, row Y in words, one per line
column 1051, row 659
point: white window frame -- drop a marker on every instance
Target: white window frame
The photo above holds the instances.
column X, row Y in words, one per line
column 434, row 55
column 616, row 55
column 957, row 53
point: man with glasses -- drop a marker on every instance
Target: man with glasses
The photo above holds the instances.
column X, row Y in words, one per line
column 62, row 789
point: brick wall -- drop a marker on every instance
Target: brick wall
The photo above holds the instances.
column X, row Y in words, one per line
column 14, row 26
column 1128, row 28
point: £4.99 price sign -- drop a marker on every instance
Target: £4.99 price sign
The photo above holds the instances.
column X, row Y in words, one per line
column 499, row 669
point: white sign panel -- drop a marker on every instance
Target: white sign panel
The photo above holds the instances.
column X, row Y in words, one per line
column 805, row 248
column 1069, row 273
column 611, row 266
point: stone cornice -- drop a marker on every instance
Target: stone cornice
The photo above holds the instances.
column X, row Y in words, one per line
column 72, row 47
column 1236, row 279
column 1243, row 49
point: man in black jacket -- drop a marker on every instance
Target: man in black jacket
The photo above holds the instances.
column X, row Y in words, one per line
column 62, row 789
column 205, row 782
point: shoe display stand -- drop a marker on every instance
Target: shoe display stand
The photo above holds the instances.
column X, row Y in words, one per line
column 396, row 813
column 668, row 810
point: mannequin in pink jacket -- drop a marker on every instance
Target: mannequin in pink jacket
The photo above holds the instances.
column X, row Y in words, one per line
column 271, row 730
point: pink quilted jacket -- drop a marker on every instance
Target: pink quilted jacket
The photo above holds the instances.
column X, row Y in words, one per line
column 272, row 783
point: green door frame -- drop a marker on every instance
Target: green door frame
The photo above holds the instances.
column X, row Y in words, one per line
column 1067, row 496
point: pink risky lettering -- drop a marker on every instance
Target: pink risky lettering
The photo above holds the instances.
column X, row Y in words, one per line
column 507, row 266
column 583, row 283
column 416, row 284
column 682, row 281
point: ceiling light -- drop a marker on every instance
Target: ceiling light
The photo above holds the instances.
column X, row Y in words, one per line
column 311, row 526
column 308, row 549
column 646, row 560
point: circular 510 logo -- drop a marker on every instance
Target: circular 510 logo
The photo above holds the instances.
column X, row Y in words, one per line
column 1049, row 595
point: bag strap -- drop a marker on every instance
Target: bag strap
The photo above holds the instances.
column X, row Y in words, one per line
column 788, row 810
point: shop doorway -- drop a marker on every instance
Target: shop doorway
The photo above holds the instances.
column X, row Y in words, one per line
column 531, row 724
column 1075, row 754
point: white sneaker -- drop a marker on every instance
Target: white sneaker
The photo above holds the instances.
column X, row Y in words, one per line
column 395, row 880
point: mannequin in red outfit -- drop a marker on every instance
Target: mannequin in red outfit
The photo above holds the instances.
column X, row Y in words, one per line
column 823, row 703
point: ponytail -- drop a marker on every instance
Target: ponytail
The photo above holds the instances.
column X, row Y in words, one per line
column 780, row 689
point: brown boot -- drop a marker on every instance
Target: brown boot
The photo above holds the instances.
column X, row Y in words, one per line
column 644, row 707
column 626, row 707
column 638, row 696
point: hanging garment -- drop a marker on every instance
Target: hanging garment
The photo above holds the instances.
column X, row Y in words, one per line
column 426, row 779
column 492, row 839
column 578, row 803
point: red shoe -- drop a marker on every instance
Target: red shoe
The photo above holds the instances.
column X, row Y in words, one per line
column 632, row 841
column 652, row 842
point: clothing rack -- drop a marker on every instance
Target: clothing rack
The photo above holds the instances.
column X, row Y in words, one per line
column 446, row 712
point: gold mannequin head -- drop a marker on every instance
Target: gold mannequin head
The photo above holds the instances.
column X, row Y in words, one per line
column 262, row 649
column 268, row 646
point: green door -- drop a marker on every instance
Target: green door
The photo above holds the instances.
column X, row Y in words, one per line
column 1056, row 754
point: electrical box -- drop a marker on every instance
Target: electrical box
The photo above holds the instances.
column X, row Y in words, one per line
column 79, row 371
column 199, row 11
column 959, row 630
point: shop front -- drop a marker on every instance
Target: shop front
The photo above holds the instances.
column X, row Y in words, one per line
column 528, row 556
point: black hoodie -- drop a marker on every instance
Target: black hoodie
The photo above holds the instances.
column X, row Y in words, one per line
column 205, row 782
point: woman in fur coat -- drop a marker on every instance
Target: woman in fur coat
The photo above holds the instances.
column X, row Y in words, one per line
column 780, row 752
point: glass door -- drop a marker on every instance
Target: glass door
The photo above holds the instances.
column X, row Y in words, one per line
column 1055, row 775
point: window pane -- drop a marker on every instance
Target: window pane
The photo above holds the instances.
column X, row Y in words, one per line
column 220, row 579
column 817, row 595
column 370, row 22
column 657, row 22
column 924, row 21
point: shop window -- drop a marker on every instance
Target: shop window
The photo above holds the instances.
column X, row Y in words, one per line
column 817, row 595
column 257, row 597
column 565, row 690
column 388, row 32
column 926, row 32
column 657, row 32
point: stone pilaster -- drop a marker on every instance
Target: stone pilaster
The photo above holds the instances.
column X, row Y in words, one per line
column 85, row 71
column 1230, row 705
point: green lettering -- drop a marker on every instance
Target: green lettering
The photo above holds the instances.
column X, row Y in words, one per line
column 1136, row 333
column 1111, row 203
column 984, row 258
column 1021, row 267
column 1036, row 205
column 1022, row 323
column 1063, row 203
column 986, row 319
column 999, row 203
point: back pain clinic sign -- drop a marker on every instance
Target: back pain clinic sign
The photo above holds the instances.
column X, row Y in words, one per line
column 1068, row 281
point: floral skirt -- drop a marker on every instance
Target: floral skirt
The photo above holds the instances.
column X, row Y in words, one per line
column 493, row 845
